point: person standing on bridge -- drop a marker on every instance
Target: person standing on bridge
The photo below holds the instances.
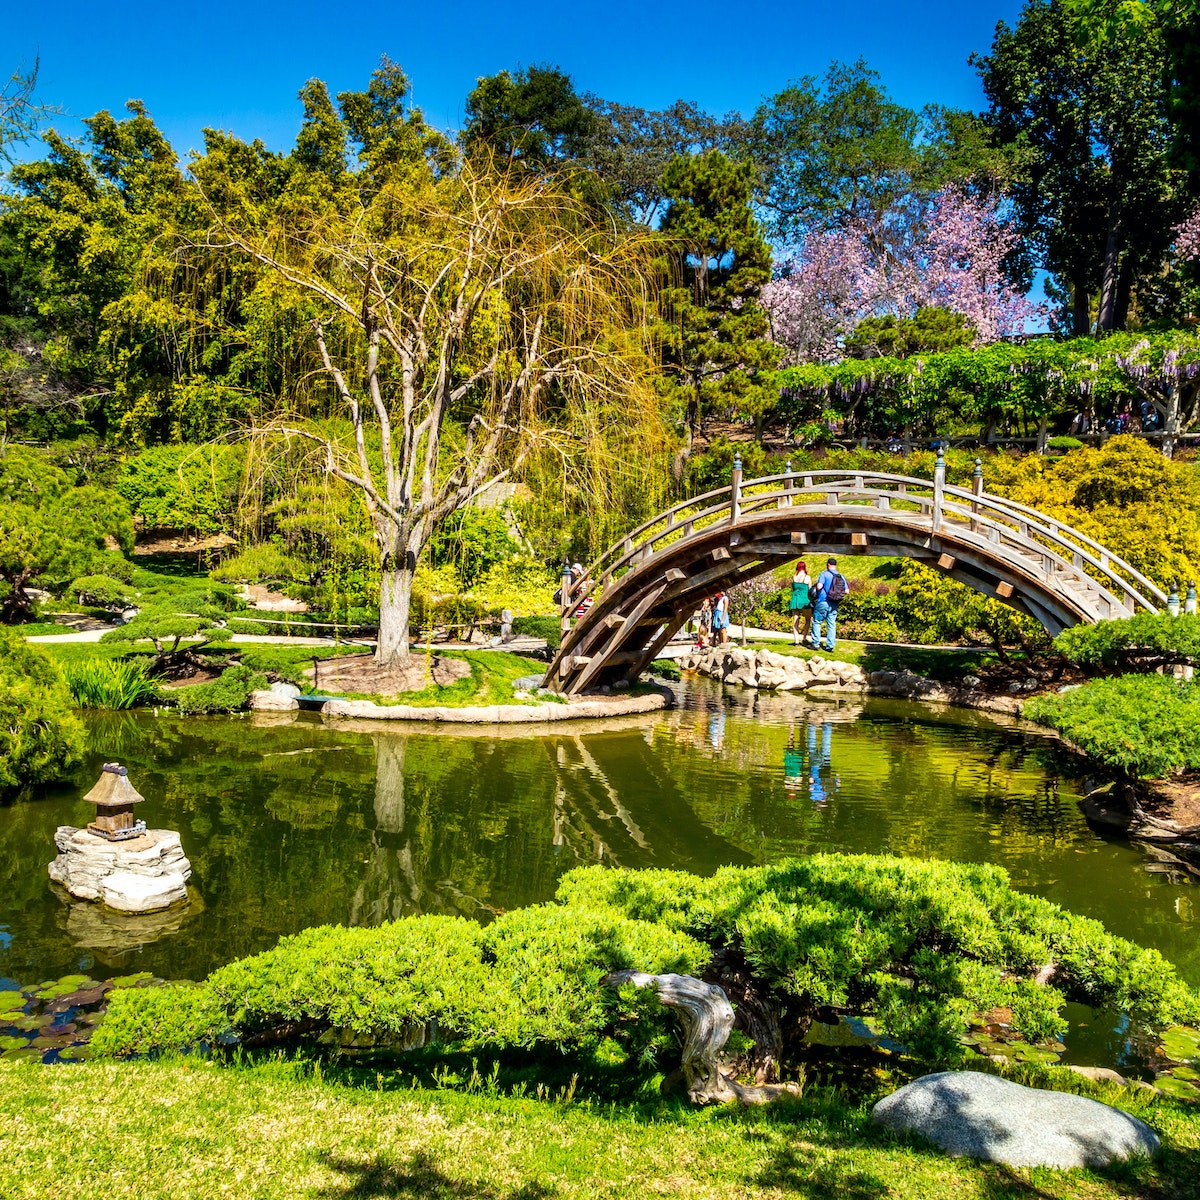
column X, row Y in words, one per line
column 800, row 605
column 831, row 590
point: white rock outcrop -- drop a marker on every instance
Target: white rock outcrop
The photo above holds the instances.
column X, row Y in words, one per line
column 140, row 875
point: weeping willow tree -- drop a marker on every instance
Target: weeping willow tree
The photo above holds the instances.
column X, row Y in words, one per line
column 468, row 325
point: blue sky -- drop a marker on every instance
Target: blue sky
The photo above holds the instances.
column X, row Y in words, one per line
column 239, row 66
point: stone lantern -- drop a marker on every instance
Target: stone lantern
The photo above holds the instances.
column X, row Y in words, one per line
column 114, row 797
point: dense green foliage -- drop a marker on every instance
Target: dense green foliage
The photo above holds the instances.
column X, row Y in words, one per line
column 1002, row 384
column 1145, row 725
column 183, row 487
column 717, row 345
column 532, row 976
column 229, row 693
column 176, row 621
column 1142, row 642
column 921, row 945
column 1091, row 122
column 52, row 531
column 39, row 735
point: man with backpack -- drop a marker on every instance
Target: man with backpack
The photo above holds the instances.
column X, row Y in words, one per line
column 831, row 590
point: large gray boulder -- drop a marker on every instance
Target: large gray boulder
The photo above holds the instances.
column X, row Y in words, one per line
column 969, row 1114
column 142, row 874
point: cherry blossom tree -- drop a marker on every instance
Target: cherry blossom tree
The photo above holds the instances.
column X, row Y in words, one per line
column 949, row 254
column 1187, row 237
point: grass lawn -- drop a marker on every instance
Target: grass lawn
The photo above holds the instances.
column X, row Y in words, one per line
column 138, row 1131
column 493, row 673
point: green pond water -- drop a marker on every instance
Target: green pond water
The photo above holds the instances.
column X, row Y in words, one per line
column 290, row 822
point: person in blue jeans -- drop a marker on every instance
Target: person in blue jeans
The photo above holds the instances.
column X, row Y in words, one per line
column 831, row 588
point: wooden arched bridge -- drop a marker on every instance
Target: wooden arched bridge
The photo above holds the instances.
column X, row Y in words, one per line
column 651, row 582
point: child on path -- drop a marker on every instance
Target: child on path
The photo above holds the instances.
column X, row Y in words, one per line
column 800, row 605
column 704, row 623
column 831, row 590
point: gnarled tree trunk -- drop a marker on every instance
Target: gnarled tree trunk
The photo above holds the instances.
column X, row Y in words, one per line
column 707, row 1018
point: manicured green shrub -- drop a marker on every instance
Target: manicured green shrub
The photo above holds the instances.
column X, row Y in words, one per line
column 923, row 946
column 111, row 683
column 1143, row 642
column 1063, row 444
column 531, row 977
column 102, row 591
column 229, row 693
column 920, row 944
column 39, row 735
column 177, row 620
column 1145, row 725
column 548, row 628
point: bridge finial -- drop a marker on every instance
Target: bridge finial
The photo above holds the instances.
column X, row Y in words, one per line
column 1173, row 599
column 737, row 460
column 788, row 467
column 978, row 472
column 1189, row 605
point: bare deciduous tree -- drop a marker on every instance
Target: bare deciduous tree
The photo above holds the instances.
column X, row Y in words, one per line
column 465, row 323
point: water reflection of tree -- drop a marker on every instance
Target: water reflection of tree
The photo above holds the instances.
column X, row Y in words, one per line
column 299, row 824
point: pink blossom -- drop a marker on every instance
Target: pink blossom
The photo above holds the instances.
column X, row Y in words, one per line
column 1187, row 237
column 948, row 253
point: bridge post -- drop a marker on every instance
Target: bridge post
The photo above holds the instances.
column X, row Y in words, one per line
column 977, row 490
column 564, row 623
column 791, row 482
column 939, row 486
column 735, row 490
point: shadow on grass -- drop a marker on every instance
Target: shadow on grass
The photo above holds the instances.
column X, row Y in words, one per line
column 793, row 1171
column 383, row 1175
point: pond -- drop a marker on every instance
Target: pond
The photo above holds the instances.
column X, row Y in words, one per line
column 290, row 822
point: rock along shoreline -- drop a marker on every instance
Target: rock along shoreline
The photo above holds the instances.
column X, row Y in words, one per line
column 582, row 709
column 788, row 673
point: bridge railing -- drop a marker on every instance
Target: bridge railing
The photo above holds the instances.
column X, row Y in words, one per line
column 1016, row 527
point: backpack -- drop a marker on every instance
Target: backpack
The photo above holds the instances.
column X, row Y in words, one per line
column 558, row 595
column 836, row 592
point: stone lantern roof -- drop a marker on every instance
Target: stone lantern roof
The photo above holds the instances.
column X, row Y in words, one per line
column 113, row 789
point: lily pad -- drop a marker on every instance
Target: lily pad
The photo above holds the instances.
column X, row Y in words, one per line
column 81, row 997
column 1024, row 1052
column 75, row 1053
column 64, row 986
column 1181, row 1043
column 11, row 1000
column 130, row 980
column 19, row 1055
column 1188, row 1073
column 25, row 1021
column 1179, row 1088
column 13, row 1043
